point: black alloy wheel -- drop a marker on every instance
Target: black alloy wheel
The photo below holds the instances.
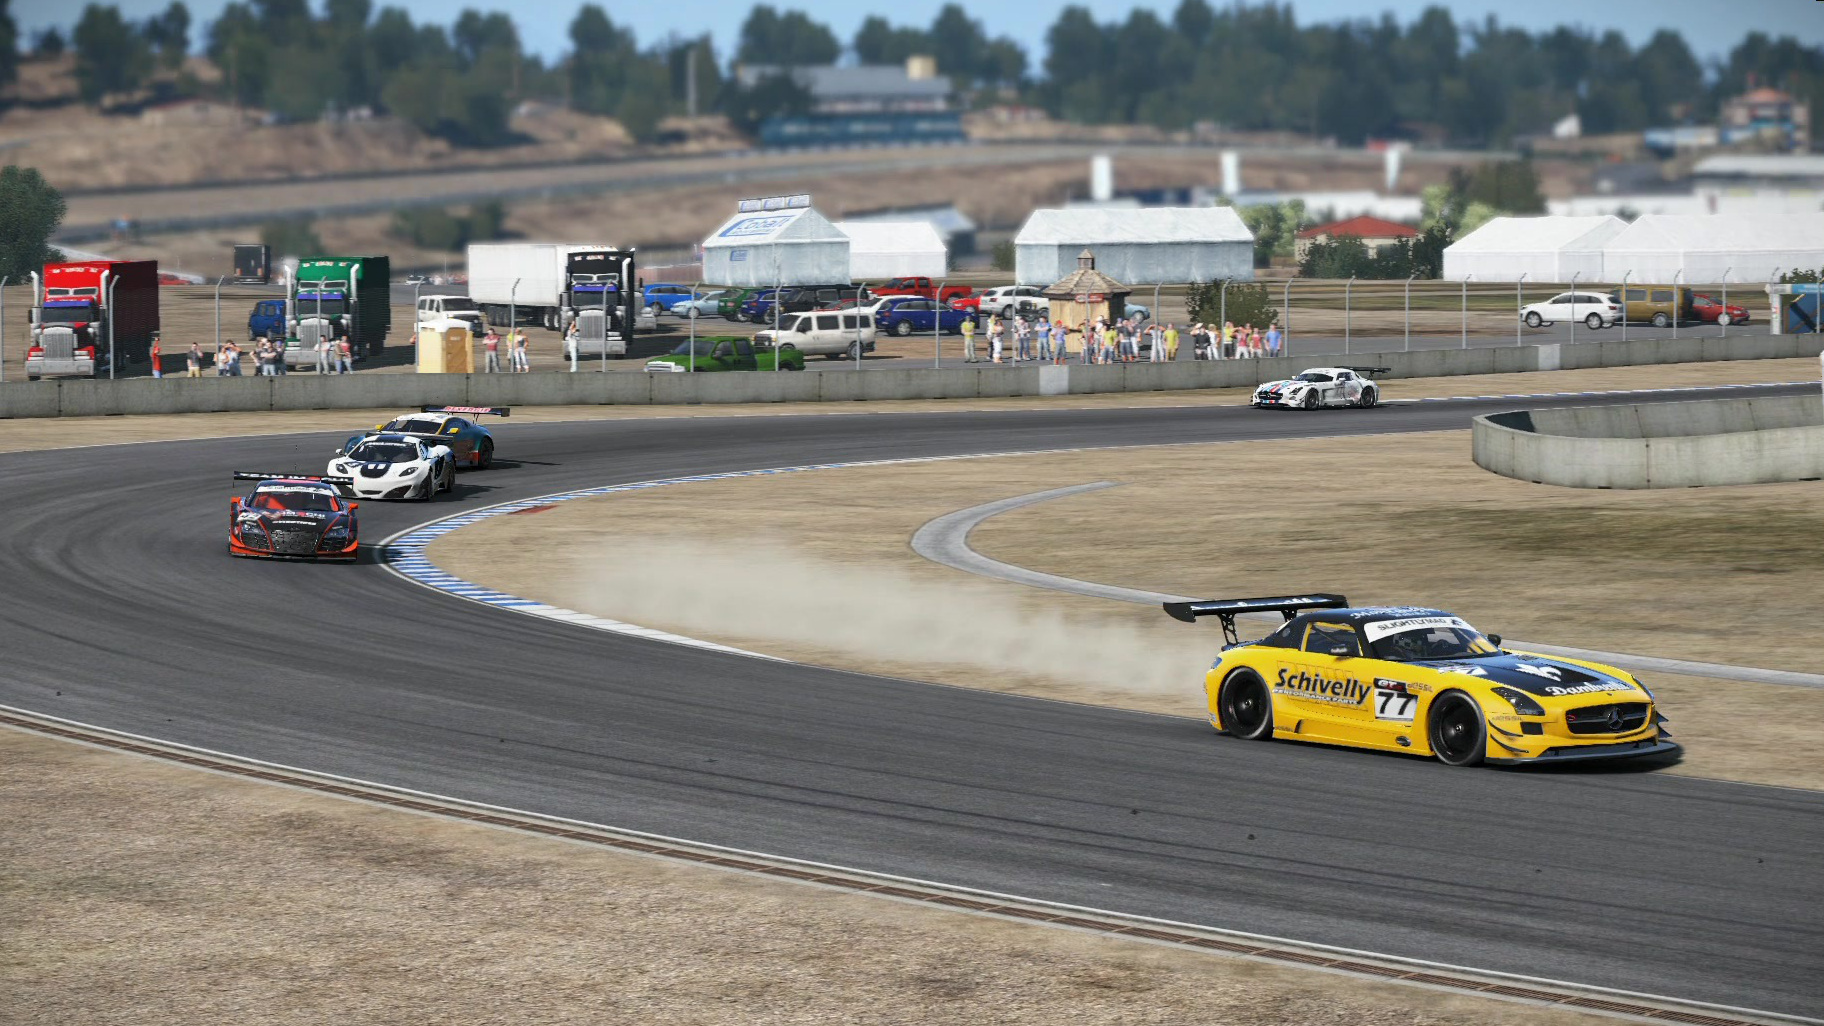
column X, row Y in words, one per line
column 1245, row 706
column 487, row 455
column 1369, row 398
column 1458, row 737
column 1309, row 402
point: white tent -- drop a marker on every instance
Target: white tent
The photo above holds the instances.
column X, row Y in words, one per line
column 1702, row 248
column 879, row 250
column 1544, row 249
column 793, row 246
column 1149, row 246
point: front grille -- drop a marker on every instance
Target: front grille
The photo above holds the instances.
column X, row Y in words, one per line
column 59, row 343
column 294, row 542
column 310, row 333
column 1618, row 718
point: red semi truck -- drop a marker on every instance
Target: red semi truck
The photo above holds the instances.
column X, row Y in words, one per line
column 82, row 311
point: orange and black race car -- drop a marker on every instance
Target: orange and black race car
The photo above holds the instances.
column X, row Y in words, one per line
column 293, row 516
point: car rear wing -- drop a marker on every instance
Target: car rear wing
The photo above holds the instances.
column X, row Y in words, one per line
column 1228, row 609
column 475, row 411
column 344, row 485
column 1372, row 371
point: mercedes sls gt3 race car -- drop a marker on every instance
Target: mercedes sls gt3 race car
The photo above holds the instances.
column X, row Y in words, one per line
column 451, row 426
column 293, row 516
column 1404, row 679
column 390, row 466
column 1322, row 386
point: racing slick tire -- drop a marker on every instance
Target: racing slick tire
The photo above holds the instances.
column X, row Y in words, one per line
column 1368, row 399
column 429, row 490
column 485, row 459
column 902, row 328
column 1246, row 706
column 1309, row 402
column 1660, row 320
column 1593, row 322
column 1456, row 731
column 1533, row 320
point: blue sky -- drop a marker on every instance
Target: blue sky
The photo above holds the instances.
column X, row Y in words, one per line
column 1711, row 27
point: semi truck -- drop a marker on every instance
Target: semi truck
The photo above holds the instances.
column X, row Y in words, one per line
column 338, row 298
column 551, row 283
column 252, row 264
column 86, row 313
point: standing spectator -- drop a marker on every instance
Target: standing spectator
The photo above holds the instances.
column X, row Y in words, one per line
column 259, row 356
column 1228, row 340
column 279, row 364
column 1256, row 344
column 157, row 370
column 221, row 358
column 1111, row 338
column 994, row 340
column 490, row 344
column 345, row 357
column 1171, row 342
column 522, row 360
column 1155, row 343
column 1023, row 334
column 193, row 364
column 1060, row 341
column 234, row 359
column 1090, row 337
column 969, row 339
column 1043, row 330
column 322, row 347
column 1273, row 339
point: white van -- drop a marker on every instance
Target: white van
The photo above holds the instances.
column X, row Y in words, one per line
column 829, row 333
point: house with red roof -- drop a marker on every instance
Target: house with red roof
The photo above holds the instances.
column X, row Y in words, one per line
column 1374, row 232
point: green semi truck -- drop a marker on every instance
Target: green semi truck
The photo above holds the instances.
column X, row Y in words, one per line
column 339, row 298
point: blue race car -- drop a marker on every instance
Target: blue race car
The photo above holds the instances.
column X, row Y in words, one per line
column 451, row 426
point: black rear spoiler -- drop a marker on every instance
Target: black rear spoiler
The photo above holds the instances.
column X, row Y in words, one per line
column 478, row 411
column 1228, row 609
column 345, row 485
column 1372, row 370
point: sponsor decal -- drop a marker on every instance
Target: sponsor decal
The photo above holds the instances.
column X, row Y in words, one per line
column 1594, row 687
column 1382, row 628
column 1472, row 671
column 1419, row 689
column 1321, row 688
column 749, row 227
column 1548, row 672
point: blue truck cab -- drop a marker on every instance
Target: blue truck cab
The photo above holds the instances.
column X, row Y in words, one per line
column 268, row 319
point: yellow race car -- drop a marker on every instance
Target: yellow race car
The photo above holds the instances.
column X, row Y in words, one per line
column 1405, row 679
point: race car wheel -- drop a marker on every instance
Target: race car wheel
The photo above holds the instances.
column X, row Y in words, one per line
column 1309, row 402
column 486, row 459
column 1246, row 706
column 1533, row 320
column 1593, row 322
column 1369, row 398
column 429, row 489
column 1458, row 737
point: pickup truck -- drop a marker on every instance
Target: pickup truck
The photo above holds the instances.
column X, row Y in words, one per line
column 905, row 315
column 267, row 319
column 918, row 285
column 725, row 354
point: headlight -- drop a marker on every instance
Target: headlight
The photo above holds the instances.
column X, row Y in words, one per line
column 1521, row 701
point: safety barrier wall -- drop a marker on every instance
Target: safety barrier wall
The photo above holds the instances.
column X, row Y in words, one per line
column 1664, row 445
column 82, row 398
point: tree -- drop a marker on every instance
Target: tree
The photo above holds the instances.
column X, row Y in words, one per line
column 772, row 96
column 9, row 45
column 1275, row 228
column 1244, row 303
column 169, row 34
column 30, row 213
column 791, row 39
column 110, row 57
column 878, row 42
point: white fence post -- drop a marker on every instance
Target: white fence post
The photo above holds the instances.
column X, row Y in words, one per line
column 1519, row 306
column 1407, row 345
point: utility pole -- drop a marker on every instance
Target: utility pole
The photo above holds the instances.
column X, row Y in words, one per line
column 690, row 78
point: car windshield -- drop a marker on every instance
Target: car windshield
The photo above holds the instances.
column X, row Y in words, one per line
column 1312, row 376
column 416, row 427
column 311, row 499
column 67, row 315
column 1438, row 640
column 384, row 452
column 704, row 347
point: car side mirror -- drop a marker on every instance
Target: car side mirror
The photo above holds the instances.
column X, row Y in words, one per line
column 353, row 506
column 1495, row 640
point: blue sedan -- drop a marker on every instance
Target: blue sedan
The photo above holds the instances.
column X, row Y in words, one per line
column 661, row 297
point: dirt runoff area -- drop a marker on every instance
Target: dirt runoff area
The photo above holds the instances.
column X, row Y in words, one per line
column 133, row 891
column 1719, row 575
column 59, row 432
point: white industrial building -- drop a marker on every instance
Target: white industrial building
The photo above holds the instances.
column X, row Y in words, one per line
column 1149, row 246
column 1544, row 249
column 779, row 241
column 1704, row 247
column 879, row 250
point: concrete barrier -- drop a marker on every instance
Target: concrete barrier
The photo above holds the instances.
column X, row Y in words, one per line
column 1663, row 445
column 85, row 398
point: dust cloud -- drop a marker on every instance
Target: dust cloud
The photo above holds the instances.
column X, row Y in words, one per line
column 761, row 591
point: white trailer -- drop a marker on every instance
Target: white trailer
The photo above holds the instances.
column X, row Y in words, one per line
column 524, row 282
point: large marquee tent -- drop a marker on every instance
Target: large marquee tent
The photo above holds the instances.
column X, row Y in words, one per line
column 1145, row 246
column 879, row 250
column 1703, row 248
column 1543, row 249
column 777, row 241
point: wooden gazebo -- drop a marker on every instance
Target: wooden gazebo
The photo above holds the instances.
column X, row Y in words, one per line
column 1086, row 294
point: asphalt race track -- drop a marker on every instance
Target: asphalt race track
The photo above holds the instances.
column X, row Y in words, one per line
column 123, row 610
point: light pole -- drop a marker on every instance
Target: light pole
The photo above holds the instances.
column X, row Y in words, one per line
column 1723, row 318
column 111, row 318
column 692, row 308
column 1625, row 275
column 1677, row 307
column 1519, row 305
column 1465, row 343
column 1222, row 316
column 1285, row 330
column 1574, row 276
column 937, row 327
column 859, row 289
column 218, row 309
column 778, row 307
column 1348, row 290
column 513, row 308
column 3, row 326
column 626, row 325
column 1407, row 345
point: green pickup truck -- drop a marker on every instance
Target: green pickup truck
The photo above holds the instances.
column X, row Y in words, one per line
column 725, row 354
column 729, row 303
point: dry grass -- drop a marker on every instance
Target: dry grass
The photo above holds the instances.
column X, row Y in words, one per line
column 1715, row 575
column 135, row 891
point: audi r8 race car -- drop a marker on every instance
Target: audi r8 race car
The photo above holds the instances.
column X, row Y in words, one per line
column 451, row 426
column 392, row 466
column 1322, row 386
column 1405, row 679
column 292, row 516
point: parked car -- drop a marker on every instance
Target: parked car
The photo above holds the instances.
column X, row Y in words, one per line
column 827, row 333
column 919, row 285
column 909, row 315
column 705, row 304
column 1708, row 310
column 267, row 319
column 730, row 303
column 661, row 297
column 797, row 299
column 1659, row 305
column 725, row 354
column 1005, row 300
column 1593, row 309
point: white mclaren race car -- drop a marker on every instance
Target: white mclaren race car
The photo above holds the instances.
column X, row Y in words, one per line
column 1322, row 386
column 394, row 466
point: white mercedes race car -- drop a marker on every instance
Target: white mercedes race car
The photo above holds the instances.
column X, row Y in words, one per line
column 1322, row 386
column 395, row 466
